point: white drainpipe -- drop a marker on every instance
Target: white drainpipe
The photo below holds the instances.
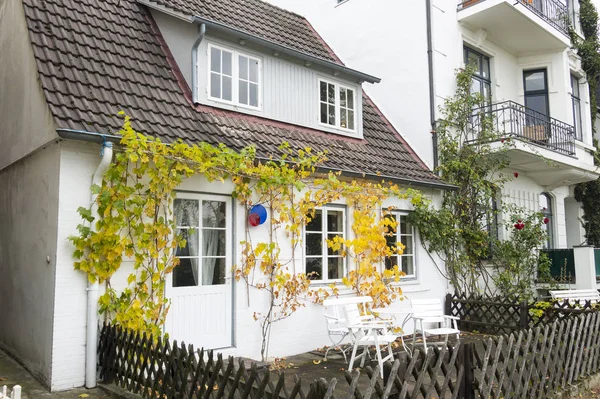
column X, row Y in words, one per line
column 92, row 291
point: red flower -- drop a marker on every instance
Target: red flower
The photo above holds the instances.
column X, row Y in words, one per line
column 546, row 220
column 516, row 174
column 254, row 219
column 502, row 140
column 519, row 225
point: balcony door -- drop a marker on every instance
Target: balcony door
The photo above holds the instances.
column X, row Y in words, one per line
column 537, row 120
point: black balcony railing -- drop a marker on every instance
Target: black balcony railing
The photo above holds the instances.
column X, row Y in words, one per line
column 552, row 11
column 510, row 119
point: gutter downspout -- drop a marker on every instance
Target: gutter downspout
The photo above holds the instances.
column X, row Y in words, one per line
column 195, row 62
column 432, row 116
column 92, row 291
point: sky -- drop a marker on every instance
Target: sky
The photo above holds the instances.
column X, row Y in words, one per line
column 597, row 3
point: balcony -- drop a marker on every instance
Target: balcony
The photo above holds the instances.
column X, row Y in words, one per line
column 520, row 26
column 541, row 146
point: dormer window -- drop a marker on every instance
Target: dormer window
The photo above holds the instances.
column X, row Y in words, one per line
column 337, row 105
column 234, row 77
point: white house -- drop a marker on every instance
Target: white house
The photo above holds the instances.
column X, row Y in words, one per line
column 526, row 68
column 238, row 72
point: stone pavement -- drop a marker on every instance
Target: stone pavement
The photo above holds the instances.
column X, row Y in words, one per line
column 12, row 373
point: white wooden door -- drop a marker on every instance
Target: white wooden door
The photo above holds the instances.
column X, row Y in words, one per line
column 200, row 287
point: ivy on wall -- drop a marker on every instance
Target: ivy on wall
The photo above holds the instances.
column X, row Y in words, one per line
column 463, row 232
column 588, row 49
column 135, row 226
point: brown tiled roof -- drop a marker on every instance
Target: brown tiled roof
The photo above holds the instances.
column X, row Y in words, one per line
column 257, row 18
column 96, row 57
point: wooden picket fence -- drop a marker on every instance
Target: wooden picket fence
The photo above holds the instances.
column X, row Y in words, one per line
column 159, row 369
column 532, row 363
column 7, row 393
column 506, row 315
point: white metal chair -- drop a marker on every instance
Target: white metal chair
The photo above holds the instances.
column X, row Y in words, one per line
column 337, row 323
column 430, row 311
column 367, row 332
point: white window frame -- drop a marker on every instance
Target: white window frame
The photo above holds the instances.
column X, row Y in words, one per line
column 200, row 229
column 337, row 126
column 324, row 248
column 235, row 70
column 413, row 233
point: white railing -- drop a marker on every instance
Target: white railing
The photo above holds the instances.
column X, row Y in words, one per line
column 5, row 393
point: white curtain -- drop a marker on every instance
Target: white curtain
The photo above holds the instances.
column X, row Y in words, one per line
column 186, row 215
column 210, row 248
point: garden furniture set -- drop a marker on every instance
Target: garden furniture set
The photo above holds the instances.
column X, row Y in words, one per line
column 354, row 319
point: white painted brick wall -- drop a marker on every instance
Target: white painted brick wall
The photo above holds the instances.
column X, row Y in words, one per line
column 78, row 163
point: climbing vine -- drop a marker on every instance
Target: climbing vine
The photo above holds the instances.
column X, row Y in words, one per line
column 135, row 227
column 473, row 157
column 588, row 49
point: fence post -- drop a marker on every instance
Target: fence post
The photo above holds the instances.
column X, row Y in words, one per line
column 465, row 358
column 524, row 315
column 387, row 370
column 448, row 305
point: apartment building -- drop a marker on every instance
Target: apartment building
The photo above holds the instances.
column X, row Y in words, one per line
column 526, row 69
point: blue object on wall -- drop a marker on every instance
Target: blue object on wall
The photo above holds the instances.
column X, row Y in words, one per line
column 260, row 211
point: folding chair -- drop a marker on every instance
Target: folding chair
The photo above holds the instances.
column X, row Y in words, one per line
column 367, row 332
column 430, row 311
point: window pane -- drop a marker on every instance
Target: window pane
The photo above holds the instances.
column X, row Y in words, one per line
column 191, row 245
column 351, row 120
column 243, row 67
column 343, row 102
column 213, row 271
column 331, row 114
column 316, row 224
column 407, row 241
column 215, row 59
column 227, row 61
column 253, row 95
column 324, row 115
column 404, row 226
column 243, row 94
column 335, row 221
column 343, row 118
column 215, row 85
column 472, row 60
column 314, row 244
column 486, row 67
column 535, row 81
column 350, row 98
column 330, row 251
column 408, row 265
column 323, row 92
column 335, row 268
column 213, row 214
column 578, row 127
column 253, row 71
column 314, row 268
column 213, row 242
column 476, row 86
column 330, row 93
column 227, row 88
column 391, row 261
column 186, row 212
column 186, row 273
column 539, row 104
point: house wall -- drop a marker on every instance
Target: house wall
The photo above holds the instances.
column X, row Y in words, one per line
column 25, row 120
column 29, row 213
column 289, row 90
column 78, row 162
column 303, row 331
